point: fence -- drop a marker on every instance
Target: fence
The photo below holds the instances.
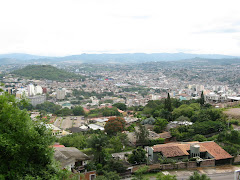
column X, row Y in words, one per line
column 179, row 165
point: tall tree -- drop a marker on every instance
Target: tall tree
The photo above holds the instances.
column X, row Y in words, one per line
column 98, row 142
column 141, row 134
column 168, row 103
column 202, row 101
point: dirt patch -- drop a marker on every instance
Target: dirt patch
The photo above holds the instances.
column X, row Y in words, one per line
column 234, row 112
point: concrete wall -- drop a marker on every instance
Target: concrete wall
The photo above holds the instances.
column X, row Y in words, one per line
column 207, row 163
column 179, row 165
column 182, row 165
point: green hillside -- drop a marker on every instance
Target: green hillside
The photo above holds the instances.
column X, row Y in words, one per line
column 45, row 72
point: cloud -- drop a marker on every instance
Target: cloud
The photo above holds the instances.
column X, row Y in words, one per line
column 141, row 17
column 220, row 30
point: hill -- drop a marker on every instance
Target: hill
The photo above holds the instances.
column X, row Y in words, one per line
column 45, row 72
column 21, row 56
column 111, row 58
column 137, row 57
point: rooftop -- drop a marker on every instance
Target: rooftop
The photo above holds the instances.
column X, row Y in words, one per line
column 182, row 148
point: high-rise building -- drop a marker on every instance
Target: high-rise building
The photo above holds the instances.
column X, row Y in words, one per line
column 31, row 90
column 38, row 90
column 61, row 92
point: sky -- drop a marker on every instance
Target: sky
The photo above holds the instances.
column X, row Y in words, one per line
column 66, row 27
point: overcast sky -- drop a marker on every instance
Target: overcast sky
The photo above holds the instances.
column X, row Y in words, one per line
column 64, row 27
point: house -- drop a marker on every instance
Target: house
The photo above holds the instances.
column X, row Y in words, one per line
column 133, row 139
column 185, row 150
column 167, row 136
column 70, row 158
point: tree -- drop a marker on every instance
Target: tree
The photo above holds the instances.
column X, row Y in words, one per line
column 183, row 110
column 64, row 112
column 116, row 144
column 150, row 121
column 48, row 107
column 197, row 176
column 78, row 110
column 161, row 176
column 168, row 104
column 114, row 125
column 199, row 137
column 160, row 125
column 25, row 145
column 77, row 140
column 202, row 101
column 141, row 134
column 98, row 142
column 115, row 165
column 120, row 106
column 138, row 156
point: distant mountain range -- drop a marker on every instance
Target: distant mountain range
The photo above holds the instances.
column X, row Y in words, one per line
column 107, row 58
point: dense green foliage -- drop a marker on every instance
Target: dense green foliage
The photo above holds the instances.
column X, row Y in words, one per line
column 98, row 142
column 160, row 125
column 48, row 107
column 230, row 141
column 120, row 106
column 138, row 156
column 78, row 110
column 77, row 140
column 25, row 151
column 64, row 112
column 104, row 112
column 45, row 72
column 86, row 95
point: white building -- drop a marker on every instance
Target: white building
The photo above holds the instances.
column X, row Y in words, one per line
column 61, row 92
column 21, row 92
column 31, row 90
column 38, row 90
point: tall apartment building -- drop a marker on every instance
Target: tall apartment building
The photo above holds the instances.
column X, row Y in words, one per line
column 61, row 92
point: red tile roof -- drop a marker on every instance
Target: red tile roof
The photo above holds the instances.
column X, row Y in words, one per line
column 215, row 150
column 181, row 149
